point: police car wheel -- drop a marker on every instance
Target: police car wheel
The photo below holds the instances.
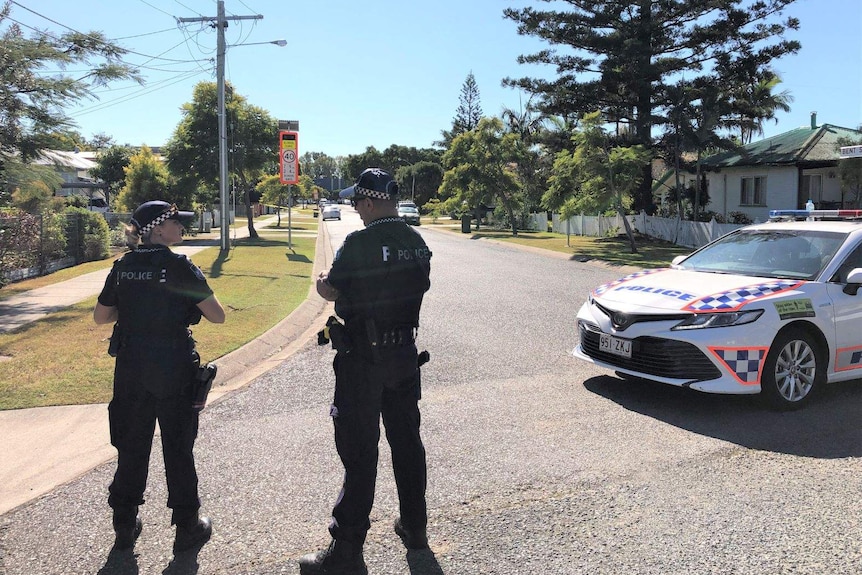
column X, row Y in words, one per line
column 794, row 370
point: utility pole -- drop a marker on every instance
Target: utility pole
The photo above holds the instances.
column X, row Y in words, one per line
column 220, row 22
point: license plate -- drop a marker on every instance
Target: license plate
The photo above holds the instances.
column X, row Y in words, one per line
column 615, row 345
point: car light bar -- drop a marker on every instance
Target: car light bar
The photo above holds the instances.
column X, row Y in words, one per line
column 849, row 214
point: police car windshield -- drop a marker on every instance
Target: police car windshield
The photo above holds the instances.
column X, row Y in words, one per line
column 792, row 254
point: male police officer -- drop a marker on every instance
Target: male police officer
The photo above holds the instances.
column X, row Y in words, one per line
column 377, row 282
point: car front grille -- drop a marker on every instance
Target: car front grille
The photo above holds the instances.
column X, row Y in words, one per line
column 653, row 356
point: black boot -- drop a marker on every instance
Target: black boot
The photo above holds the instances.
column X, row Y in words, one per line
column 192, row 532
column 340, row 558
column 412, row 538
column 126, row 532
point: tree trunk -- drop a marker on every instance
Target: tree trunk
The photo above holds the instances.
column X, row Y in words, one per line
column 629, row 232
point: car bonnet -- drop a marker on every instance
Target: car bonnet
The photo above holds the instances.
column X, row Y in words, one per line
column 663, row 290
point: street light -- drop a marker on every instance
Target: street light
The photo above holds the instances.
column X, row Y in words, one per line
column 222, row 125
column 281, row 43
column 220, row 22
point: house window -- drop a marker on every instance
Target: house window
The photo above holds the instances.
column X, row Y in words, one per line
column 813, row 186
column 753, row 191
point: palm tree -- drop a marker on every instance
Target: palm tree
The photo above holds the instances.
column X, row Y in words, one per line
column 756, row 103
column 528, row 124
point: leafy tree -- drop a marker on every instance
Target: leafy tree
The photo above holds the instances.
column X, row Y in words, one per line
column 697, row 115
column 391, row 159
column 91, row 241
column 468, row 113
column 420, row 181
column 597, row 176
column 273, row 192
column 479, row 168
column 320, row 165
column 356, row 163
column 18, row 174
column 528, row 124
column 32, row 101
column 619, row 56
column 101, row 141
column 192, row 154
column 111, row 169
column 34, row 197
column 147, row 179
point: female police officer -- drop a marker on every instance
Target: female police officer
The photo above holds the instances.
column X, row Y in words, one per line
column 153, row 295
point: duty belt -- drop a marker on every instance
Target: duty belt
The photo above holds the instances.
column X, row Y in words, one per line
column 397, row 336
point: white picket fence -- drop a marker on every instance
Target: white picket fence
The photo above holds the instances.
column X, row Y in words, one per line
column 681, row 232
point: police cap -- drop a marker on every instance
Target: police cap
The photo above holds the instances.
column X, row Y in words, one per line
column 372, row 183
column 150, row 214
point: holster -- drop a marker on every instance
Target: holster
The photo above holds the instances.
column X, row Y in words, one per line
column 335, row 333
column 202, row 384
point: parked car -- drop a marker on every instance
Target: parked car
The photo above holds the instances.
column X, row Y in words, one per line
column 771, row 308
column 330, row 212
column 410, row 214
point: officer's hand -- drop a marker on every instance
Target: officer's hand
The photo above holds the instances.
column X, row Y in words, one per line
column 325, row 289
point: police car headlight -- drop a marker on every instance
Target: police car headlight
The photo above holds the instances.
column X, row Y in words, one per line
column 723, row 319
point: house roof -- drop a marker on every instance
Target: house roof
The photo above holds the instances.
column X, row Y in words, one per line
column 799, row 146
column 75, row 160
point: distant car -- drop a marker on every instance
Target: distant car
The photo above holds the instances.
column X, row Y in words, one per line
column 330, row 212
column 771, row 308
column 409, row 214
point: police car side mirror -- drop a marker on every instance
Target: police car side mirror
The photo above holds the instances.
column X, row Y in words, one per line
column 854, row 281
column 675, row 261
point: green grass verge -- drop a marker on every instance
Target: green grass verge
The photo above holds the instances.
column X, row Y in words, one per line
column 62, row 359
column 614, row 251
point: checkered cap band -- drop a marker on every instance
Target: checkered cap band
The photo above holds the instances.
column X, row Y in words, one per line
column 164, row 216
column 360, row 191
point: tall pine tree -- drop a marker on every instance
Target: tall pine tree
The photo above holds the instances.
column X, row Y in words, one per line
column 620, row 57
column 468, row 114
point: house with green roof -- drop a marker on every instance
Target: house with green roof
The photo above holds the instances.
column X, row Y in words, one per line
column 780, row 172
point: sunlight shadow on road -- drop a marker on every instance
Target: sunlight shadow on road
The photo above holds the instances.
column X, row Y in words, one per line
column 423, row 562
column 827, row 428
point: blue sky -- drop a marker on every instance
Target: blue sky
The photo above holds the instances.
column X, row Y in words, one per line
column 381, row 72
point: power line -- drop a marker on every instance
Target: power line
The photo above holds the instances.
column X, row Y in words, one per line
column 90, row 36
column 145, row 92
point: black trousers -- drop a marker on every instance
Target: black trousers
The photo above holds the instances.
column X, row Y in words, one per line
column 132, row 414
column 360, row 400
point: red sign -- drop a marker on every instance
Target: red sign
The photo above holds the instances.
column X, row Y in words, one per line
column 288, row 161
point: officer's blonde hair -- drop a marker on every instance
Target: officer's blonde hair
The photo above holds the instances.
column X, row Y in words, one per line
column 134, row 237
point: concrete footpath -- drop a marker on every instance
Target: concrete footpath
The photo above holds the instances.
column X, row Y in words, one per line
column 48, row 446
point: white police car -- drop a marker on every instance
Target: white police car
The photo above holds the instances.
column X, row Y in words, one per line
column 771, row 308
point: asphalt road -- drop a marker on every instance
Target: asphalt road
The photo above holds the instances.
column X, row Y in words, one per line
column 538, row 463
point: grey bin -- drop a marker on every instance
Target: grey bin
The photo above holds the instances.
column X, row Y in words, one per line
column 465, row 223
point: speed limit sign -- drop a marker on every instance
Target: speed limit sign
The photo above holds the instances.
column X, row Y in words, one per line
column 289, row 164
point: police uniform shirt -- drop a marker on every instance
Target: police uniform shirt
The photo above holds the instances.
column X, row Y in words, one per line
column 382, row 273
column 154, row 290
column 156, row 293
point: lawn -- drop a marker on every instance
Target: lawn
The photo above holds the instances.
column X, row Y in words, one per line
column 614, row 251
column 62, row 359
